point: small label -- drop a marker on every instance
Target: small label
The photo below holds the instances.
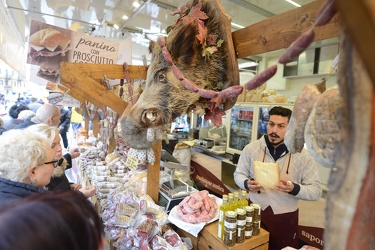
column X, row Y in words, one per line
column 248, row 233
column 249, row 219
column 241, row 222
column 132, row 162
column 230, row 225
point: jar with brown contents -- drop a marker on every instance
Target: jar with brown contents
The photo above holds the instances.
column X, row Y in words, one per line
column 257, row 212
column 249, row 214
column 241, row 221
column 256, row 227
column 248, row 230
column 230, row 228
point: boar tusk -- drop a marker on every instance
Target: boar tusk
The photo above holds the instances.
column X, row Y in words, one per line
column 150, row 116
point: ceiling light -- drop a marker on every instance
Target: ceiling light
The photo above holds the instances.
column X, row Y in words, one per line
column 115, row 26
column 247, row 65
column 237, row 26
column 136, row 4
column 125, row 17
column 294, row 3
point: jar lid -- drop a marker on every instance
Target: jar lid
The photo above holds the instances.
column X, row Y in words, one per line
column 230, row 214
column 240, row 211
column 249, row 208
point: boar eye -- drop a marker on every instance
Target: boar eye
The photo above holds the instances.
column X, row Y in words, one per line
column 162, row 78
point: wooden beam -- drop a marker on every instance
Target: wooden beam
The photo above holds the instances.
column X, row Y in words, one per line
column 88, row 88
column 111, row 71
column 358, row 19
column 278, row 32
column 153, row 174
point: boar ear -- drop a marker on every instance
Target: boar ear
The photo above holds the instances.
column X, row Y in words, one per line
column 151, row 46
column 182, row 46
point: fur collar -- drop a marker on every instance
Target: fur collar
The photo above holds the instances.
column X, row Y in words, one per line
column 59, row 171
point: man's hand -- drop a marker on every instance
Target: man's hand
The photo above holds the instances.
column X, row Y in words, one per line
column 253, row 186
column 285, row 186
column 74, row 153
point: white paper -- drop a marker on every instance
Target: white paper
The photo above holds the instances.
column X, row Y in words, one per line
column 193, row 229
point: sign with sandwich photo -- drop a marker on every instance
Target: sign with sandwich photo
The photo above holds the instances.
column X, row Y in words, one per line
column 49, row 45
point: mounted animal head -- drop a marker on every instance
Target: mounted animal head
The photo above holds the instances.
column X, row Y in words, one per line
column 187, row 71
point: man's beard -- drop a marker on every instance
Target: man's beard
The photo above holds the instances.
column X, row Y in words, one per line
column 276, row 137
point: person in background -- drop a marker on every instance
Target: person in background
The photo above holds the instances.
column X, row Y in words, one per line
column 2, row 129
column 51, row 221
column 13, row 113
column 299, row 179
column 59, row 180
column 26, row 115
column 34, row 105
column 47, row 114
column 26, row 164
column 64, row 124
column 76, row 121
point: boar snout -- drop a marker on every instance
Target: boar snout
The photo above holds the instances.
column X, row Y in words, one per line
column 151, row 117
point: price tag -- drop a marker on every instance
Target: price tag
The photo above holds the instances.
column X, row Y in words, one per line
column 132, row 162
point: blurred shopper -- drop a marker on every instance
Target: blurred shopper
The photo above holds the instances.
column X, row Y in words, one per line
column 2, row 129
column 34, row 105
column 47, row 114
column 26, row 164
column 76, row 121
column 51, row 221
column 13, row 113
column 64, row 124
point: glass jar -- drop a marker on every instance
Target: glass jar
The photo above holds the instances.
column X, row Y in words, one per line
column 257, row 212
column 230, row 228
column 241, row 222
column 256, row 227
column 248, row 230
column 249, row 214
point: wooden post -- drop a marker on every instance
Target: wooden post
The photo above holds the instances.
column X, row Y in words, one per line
column 153, row 174
column 95, row 125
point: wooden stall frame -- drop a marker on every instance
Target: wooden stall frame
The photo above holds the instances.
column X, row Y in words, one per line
column 274, row 33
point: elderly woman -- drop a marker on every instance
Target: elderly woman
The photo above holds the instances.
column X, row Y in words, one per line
column 59, row 180
column 27, row 162
column 68, row 220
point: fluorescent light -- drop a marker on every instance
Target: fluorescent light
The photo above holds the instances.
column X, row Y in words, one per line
column 247, row 65
column 136, row 4
column 294, row 3
column 115, row 26
column 237, row 26
column 125, row 17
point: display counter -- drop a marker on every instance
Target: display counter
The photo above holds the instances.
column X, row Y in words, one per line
column 207, row 239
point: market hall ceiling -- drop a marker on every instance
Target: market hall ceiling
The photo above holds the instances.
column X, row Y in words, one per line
column 145, row 19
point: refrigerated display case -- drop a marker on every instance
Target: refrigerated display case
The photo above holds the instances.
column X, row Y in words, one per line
column 248, row 122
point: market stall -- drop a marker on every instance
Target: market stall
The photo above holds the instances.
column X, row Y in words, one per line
column 100, row 95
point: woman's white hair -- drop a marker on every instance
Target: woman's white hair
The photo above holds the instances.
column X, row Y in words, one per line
column 46, row 130
column 21, row 151
column 49, row 132
column 26, row 114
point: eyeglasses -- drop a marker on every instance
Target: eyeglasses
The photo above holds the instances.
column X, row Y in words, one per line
column 54, row 162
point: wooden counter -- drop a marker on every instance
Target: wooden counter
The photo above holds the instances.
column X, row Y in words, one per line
column 207, row 239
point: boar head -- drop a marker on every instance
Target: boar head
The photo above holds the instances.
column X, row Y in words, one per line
column 164, row 98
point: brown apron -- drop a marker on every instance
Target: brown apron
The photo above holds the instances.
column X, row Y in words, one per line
column 282, row 227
